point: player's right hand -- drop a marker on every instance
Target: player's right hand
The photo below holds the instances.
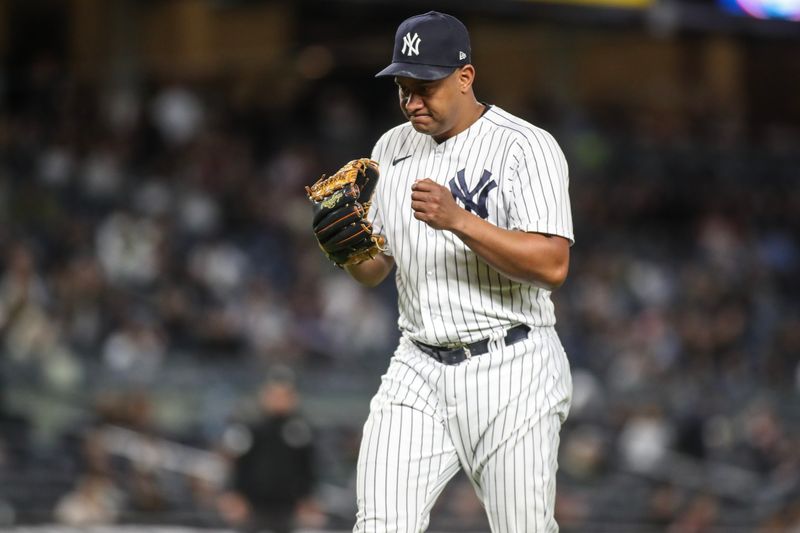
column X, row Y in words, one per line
column 434, row 204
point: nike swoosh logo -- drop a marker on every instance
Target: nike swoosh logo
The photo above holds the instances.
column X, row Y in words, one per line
column 400, row 159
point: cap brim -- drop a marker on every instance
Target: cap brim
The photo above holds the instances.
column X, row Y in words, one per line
column 418, row 72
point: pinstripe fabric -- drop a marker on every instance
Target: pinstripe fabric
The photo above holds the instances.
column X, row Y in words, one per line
column 497, row 416
column 447, row 294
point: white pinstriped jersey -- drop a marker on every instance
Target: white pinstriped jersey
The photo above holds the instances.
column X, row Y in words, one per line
column 501, row 168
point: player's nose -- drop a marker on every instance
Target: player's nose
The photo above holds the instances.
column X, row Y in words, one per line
column 413, row 103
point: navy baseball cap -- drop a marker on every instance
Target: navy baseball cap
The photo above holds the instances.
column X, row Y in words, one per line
column 429, row 47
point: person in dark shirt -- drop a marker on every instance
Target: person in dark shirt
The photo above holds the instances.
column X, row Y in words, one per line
column 276, row 472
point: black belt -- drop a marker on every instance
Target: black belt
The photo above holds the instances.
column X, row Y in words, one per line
column 454, row 356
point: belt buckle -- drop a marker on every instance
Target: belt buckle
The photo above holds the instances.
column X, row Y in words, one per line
column 461, row 346
column 467, row 352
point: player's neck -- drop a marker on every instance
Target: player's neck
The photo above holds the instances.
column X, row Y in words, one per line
column 473, row 112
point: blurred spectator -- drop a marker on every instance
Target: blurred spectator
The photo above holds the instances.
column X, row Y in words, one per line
column 178, row 114
column 699, row 516
column 275, row 474
column 786, row 519
column 23, row 299
column 127, row 249
column 644, row 439
column 136, row 349
column 94, row 502
column 663, row 506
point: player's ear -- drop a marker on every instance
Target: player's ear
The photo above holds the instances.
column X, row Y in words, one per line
column 466, row 75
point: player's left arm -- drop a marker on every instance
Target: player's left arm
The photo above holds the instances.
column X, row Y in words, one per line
column 527, row 257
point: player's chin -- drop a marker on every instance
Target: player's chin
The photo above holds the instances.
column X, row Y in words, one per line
column 423, row 124
column 420, row 129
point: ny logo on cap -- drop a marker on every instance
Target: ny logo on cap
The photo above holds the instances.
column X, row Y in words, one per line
column 411, row 44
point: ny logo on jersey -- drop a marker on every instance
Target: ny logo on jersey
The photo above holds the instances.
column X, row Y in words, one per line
column 462, row 192
column 411, row 44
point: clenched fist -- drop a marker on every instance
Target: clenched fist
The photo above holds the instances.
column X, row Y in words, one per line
column 434, row 204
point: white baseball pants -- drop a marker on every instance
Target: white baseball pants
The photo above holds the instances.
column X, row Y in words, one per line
column 497, row 415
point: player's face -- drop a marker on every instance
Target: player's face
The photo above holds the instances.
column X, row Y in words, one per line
column 429, row 105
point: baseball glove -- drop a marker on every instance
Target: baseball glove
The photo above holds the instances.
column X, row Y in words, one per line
column 341, row 203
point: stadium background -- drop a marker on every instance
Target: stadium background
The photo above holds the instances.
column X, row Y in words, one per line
column 157, row 261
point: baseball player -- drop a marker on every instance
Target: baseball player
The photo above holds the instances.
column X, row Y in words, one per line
column 473, row 205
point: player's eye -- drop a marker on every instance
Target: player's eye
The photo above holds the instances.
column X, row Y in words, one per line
column 424, row 90
column 420, row 90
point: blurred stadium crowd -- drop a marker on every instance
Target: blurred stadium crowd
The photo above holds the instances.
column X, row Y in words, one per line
column 157, row 243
